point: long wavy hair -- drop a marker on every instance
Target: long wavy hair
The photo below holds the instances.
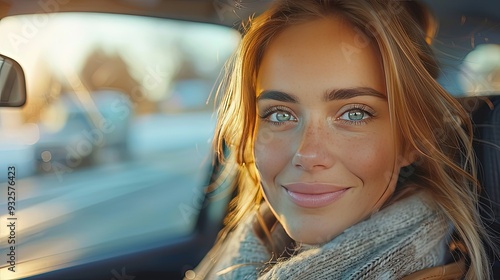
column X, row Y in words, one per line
column 427, row 119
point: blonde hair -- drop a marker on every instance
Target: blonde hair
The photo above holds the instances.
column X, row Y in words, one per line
column 427, row 119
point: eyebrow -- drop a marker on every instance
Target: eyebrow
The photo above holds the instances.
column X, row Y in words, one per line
column 277, row 95
column 336, row 94
column 346, row 93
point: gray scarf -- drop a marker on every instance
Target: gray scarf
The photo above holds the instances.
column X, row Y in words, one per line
column 402, row 238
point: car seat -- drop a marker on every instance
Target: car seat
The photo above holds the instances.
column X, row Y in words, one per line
column 485, row 112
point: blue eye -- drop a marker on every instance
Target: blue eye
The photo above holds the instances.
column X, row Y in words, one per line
column 278, row 115
column 354, row 115
column 359, row 114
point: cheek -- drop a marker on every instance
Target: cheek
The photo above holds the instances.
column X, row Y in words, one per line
column 372, row 161
column 270, row 154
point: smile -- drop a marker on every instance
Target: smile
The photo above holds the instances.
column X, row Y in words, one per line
column 313, row 195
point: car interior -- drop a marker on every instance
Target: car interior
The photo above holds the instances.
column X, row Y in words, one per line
column 147, row 207
column 485, row 116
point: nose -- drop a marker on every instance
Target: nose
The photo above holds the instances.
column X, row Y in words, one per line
column 315, row 148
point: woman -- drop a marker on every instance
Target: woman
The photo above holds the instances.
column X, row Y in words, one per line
column 353, row 162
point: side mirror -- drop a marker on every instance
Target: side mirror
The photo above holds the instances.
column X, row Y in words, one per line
column 12, row 83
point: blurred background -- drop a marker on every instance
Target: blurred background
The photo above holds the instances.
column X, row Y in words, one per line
column 112, row 149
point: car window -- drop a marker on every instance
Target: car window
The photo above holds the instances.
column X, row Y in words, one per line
column 112, row 150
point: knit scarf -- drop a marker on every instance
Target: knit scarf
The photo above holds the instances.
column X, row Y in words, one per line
column 400, row 239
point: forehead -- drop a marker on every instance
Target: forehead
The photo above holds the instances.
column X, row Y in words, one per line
column 320, row 55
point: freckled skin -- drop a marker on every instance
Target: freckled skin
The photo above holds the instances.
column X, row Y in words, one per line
column 307, row 60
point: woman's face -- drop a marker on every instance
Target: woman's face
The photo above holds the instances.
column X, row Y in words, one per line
column 325, row 148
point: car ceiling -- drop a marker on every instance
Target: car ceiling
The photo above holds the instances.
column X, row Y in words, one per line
column 211, row 10
column 225, row 12
column 459, row 19
column 462, row 23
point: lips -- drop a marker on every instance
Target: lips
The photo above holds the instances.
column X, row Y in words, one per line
column 314, row 195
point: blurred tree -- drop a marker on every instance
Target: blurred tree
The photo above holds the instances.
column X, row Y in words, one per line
column 110, row 71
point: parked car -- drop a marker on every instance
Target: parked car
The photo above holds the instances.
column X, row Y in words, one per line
column 113, row 162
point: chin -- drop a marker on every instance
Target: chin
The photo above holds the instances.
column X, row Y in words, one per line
column 312, row 235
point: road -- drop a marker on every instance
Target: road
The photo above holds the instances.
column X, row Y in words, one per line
column 95, row 213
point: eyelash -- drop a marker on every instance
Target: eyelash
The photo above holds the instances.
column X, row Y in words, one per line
column 354, row 107
column 357, row 107
column 276, row 109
